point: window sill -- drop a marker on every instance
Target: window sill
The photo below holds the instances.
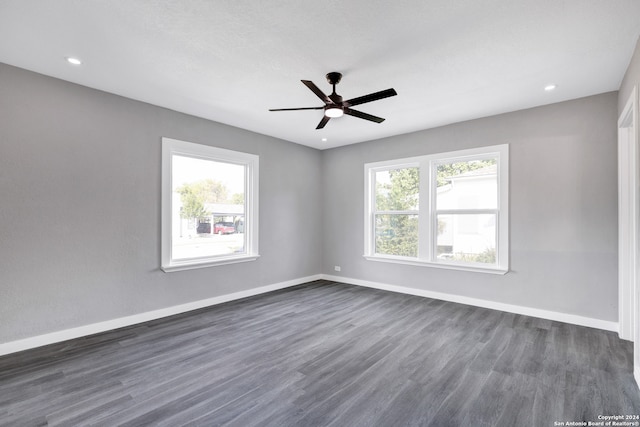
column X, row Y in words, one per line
column 204, row 263
column 446, row 266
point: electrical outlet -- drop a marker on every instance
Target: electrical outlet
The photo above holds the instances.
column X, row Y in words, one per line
column 337, row 268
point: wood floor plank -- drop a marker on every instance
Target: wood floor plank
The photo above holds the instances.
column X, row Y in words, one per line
column 325, row 354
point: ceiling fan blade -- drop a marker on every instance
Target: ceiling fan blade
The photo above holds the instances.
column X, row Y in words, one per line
column 371, row 97
column 323, row 122
column 317, row 91
column 361, row 115
column 296, row 109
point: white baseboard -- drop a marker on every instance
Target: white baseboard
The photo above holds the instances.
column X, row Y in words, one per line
column 94, row 328
column 510, row 308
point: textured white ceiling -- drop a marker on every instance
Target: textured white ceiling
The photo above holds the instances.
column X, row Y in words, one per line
column 230, row 61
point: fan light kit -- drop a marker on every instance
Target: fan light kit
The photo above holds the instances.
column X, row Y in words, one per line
column 335, row 107
column 333, row 112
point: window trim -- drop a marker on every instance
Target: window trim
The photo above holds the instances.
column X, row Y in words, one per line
column 427, row 209
column 171, row 147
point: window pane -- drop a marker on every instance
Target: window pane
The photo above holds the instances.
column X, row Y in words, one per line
column 397, row 189
column 467, row 185
column 467, row 238
column 209, row 208
column 397, row 235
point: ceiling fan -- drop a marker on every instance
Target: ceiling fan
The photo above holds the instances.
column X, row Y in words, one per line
column 334, row 106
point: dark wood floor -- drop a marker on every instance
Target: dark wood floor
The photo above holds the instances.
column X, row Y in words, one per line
column 325, row 354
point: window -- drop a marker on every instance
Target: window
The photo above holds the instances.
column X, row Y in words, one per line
column 447, row 210
column 396, row 211
column 209, row 206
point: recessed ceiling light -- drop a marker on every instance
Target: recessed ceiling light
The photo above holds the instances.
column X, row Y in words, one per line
column 74, row 61
column 549, row 88
column 324, row 139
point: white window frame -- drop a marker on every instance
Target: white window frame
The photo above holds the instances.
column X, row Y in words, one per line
column 427, row 213
column 171, row 147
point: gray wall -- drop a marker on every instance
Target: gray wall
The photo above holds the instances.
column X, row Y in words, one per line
column 563, row 201
column 80, row 209
column 631, row 79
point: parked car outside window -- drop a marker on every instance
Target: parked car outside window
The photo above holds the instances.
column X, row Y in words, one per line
column 224, row 228
column 204, row 228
